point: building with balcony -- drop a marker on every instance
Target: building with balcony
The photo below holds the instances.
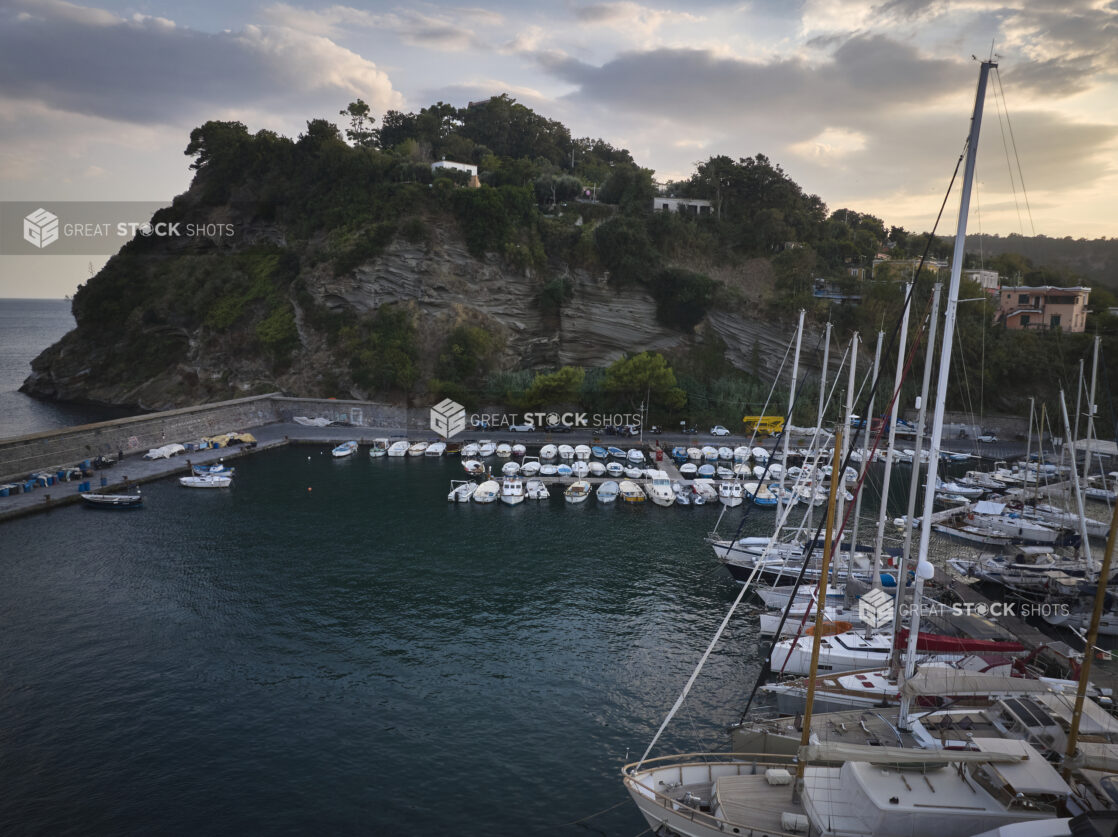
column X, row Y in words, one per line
column 1043, row 307
column 684, row 206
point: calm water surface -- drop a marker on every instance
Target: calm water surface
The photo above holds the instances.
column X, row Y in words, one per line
column 27, row 326
column 360, row 657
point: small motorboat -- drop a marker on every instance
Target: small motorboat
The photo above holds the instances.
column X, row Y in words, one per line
column 548, row 451
column 512, row 490
column 113, row 501
column 379, row 448
column 682, row 494
column 344, row 449
column 577, row 492
column 634, row 473
column 417, row 449
column 487, row 492
column 636, row 456
column 760, row 454
column 549, row 469
column 536, row 490
column 510, row 468
column 688, row 470
column 580, row 468
column 679, row 454
column 504, row 450
column 617, row 453
column 659, row 489
column 469, row 450
column 486, row 449
column 597, row 469
column 759, row 493
column 706, row 470
column 530, row 466
column 607, row 492
column 518, row 451
column 631, row 492
column 563, row 469
column 435, row 449
column 615, row 469
column 566, row 452
column 203, row 470
column 726, row 453
column 705, row 489
column 473, row 467
column 723, row 473
column 695, row 454
column 399, row 448
column 461, row 491
column 599, row 452
column 741, row 454
column 582, row 452
column 208, row 481
column 710, row 453
column 730, row 494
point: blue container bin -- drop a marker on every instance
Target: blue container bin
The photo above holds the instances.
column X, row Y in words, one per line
column 29, row 486
column 104, row 481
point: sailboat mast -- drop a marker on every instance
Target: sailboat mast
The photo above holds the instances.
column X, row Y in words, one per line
column 1092, row 638
column 1090, row 417
column 867, row 423
column 820, row 608
column 924, row 569
column 914, row 481
column 1086, row 544
column 822, row 385
column 791, row 406
column 892, row 419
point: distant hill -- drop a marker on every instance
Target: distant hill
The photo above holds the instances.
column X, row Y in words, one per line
column 1095, row 260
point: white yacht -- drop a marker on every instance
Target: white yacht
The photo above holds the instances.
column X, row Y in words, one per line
column 659, row 489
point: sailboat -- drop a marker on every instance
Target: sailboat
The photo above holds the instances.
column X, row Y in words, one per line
column 992, row 783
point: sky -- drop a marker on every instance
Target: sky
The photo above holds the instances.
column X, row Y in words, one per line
column 865, row 104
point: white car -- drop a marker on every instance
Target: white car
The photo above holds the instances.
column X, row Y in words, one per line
column 988, row 438
column 719, row 430
column 522, row 428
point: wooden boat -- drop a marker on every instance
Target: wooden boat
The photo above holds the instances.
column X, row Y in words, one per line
column 113, row 501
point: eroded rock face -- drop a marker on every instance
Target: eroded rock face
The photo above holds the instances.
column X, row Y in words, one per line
column 445, row 286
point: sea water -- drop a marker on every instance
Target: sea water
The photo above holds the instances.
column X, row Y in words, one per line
column 332, row 647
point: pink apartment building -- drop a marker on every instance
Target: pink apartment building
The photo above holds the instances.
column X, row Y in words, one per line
column 1044, row 307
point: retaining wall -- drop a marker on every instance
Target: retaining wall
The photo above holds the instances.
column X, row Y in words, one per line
column 21, row 455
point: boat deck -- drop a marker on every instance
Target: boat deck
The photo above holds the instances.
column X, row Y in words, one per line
column 754, row 803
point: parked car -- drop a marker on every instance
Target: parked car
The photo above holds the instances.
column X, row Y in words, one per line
column 522, row 428
column 989, row 438
column 558, row 428
column 719, row 430
column 628, row 430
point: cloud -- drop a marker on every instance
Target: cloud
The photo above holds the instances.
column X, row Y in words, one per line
column 441, row 30
column 146, row 70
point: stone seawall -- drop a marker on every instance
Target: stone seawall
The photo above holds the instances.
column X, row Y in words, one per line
column 21, row 455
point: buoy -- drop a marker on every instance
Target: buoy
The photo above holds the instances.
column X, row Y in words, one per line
column 309, row 488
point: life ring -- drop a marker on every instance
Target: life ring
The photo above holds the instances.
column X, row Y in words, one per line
column 970, row 516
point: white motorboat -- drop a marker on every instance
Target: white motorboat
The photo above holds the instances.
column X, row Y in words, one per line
column 435, row 449
column 512, row 490
column 635, row 456
column 682, row 494
column 518, row 450
column 723, row 473
column 564, row 470
column 113, row 501
column 566, row 452
column 582, row 452
column 530, row 466
column 577, row 492
column 688, row 470
column 344, row 449
column 510, row 468
column 470, row 450
column 631, row 492
column 706, row 471
column 461, row 491
column 536, row 490
column 659, row 489
column 760, row 455
column 710, row 453
column 614, row 469
column 548, row 451
column 487, row 492
column 417, row 449
column 726, row 453
column 504, row 450
column 704, row 489
column 741, row 454
column 597, row 469
column 485, row 449
column 730, row 494
column 208, row 481
column 607, row 491
column 549, row 469
column 379, row 448
column 580, row 468
column 634, row 473
column 473, row 467
column 695, row 454
column 399, row 448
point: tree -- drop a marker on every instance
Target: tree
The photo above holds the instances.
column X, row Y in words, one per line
column 360, row 131
column 216, row 141
column 554, row 389
column 647, row 375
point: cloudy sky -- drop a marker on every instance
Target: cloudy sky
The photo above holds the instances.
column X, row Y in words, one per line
column 864, row 104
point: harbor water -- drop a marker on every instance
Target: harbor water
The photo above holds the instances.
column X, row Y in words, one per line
column 331, row 647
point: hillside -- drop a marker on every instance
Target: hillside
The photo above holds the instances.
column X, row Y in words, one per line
column 357, row 270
